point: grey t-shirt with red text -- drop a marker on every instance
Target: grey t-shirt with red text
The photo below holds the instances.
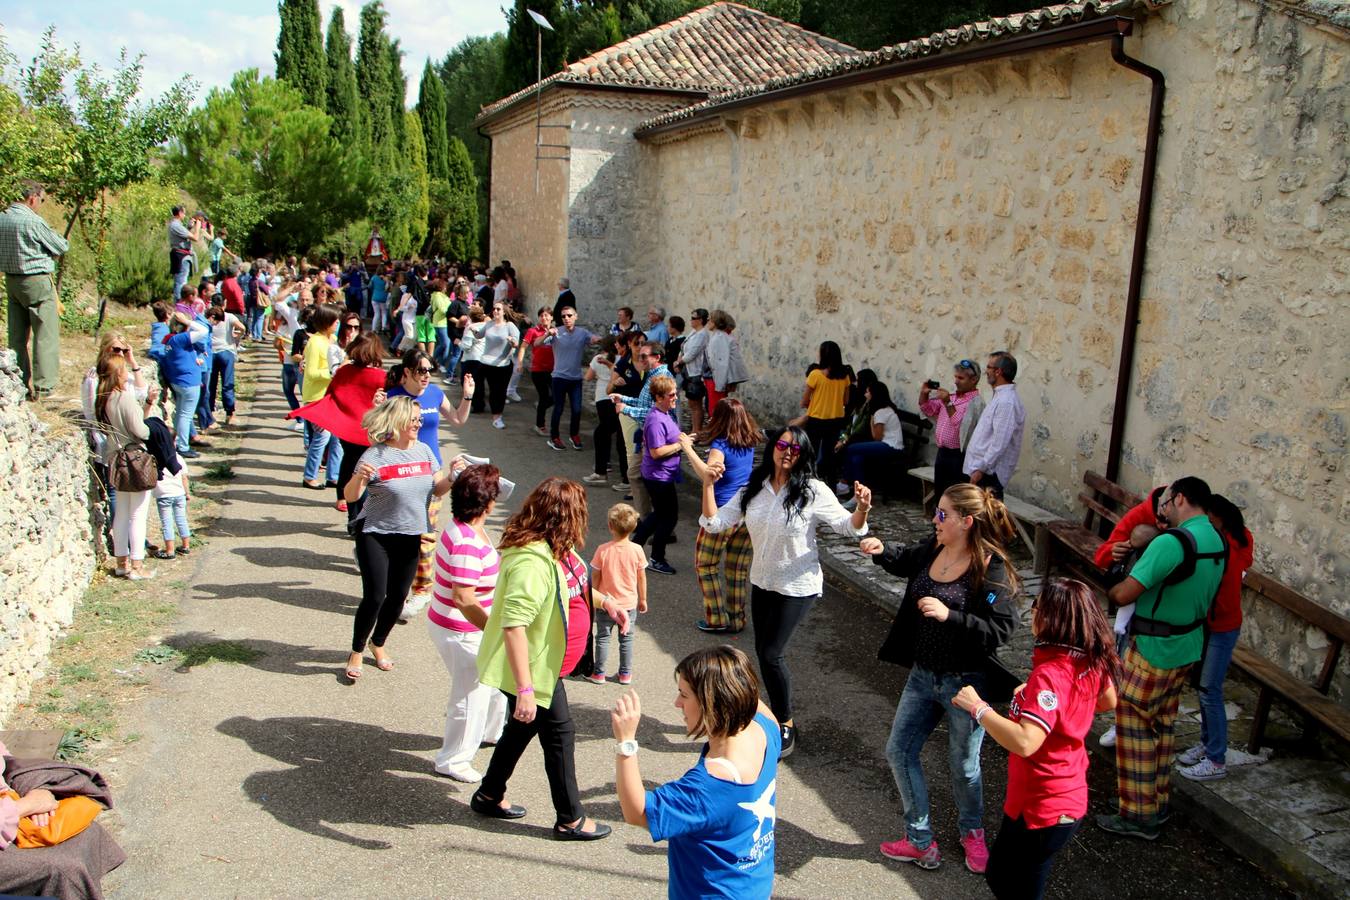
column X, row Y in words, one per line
column 400, row 489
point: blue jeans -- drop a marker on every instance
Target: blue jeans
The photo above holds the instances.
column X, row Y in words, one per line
column 180, row 278
column 442, row 352
column 290, row 383
column 222, row 376
column 255, row 323
column 603, row 625
column 173, row 522
column 184, row 406
column 318, row 444
column 857, row 456
column 452, row 358
column 569, row 388
column 927, row 697
column 1213, row 671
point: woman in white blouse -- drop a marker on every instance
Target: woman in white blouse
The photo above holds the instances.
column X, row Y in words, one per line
column 782, row 505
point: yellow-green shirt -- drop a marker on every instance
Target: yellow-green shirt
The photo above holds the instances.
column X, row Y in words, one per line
column 440, row 305
column 528, row 595
column 316, row 372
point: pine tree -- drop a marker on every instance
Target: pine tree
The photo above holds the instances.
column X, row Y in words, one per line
column 342, row 98
column 300, row 56
column 431, row 110
column 372, row 83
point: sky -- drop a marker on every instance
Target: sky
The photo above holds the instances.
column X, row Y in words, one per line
column 212, row 41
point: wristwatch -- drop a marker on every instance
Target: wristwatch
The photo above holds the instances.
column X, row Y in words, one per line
column 627, row 748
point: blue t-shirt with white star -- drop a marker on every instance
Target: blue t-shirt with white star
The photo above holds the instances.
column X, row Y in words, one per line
column 720, row 833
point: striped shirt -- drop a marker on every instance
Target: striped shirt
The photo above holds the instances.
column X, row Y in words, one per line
column 398, row 493
column 463, row 559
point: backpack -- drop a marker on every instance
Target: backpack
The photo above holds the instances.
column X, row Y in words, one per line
column 1190, row 555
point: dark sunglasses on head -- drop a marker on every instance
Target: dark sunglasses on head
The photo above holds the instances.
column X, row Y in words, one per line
column 969, row 366
column 786, row 447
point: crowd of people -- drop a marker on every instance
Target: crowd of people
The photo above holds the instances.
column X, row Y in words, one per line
column 514, row 619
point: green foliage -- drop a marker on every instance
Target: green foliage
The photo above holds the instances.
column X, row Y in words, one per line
column 264, row 159
column 471, row 73
column 520, row 50
column 431, row 110
column 869, row 24
column 158, row 654
column 35, row 142
column 374, row 88
column 300, row 55
column 216, row 651
column 454, row 207
column 136, row 273
column 343, row 104
column 398, row 92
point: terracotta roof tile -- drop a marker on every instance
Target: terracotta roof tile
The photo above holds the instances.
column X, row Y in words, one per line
column 719, row 48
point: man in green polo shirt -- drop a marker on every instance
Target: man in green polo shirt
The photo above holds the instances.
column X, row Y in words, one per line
column 1168, row 638
column 29, row 249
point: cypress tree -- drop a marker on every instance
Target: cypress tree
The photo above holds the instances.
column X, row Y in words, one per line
column 461, row 218
column 431, row 110
column 398, row 94
column 300, row 56
column 342, row 102
column 372, row 83
column 518, row 58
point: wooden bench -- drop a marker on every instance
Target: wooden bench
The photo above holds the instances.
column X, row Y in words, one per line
column 1023, row 514
column 887, row 479
column 1310, row 700
column 1072, row 546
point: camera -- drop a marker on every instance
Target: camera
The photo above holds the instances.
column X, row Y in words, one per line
column 933, row 384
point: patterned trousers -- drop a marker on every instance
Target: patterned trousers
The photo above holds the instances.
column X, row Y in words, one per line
column 426, row 556
column 1145, row 714
column 724, row 609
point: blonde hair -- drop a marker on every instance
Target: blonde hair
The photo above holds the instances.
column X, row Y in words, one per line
column 390, row 418
column 623, row 519
column 992, row 530
column 662, row 385
column 105, row 346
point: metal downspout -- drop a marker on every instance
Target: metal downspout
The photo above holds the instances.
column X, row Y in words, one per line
column 1141, row 225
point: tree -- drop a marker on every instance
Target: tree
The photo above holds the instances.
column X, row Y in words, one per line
column 268, row 167
column 431, row 110
column 398, row 94
column 342, row 103
column 372, row 82
column 300, row 57
column 518, row 55
column 471, row 73
column 415, row 168
column 35, row 141
column 459, row 221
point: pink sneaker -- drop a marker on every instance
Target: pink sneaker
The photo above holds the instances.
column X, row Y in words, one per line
column 903, row 850
column 977, row 854
column 596, row 678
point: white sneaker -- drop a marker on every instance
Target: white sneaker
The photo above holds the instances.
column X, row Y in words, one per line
column 298, row 426
column 1108, row 738
column 515, row 398
column 621, row 487
column 498, row 423
column 1190, row 757
column 595, row 479
column 1205, row 770
column 416, row 603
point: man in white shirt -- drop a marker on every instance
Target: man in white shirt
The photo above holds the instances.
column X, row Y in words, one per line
column 996, row 443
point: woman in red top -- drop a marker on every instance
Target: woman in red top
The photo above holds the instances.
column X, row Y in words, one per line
column 1208, row 760
column 1070, row 681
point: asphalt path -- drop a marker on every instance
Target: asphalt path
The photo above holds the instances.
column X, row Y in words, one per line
column 277, row 778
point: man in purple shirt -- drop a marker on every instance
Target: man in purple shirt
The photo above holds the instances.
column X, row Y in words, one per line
column 659, row 466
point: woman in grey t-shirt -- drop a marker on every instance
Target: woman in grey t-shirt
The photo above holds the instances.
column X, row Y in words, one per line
column 398, row 476
column 500, row 339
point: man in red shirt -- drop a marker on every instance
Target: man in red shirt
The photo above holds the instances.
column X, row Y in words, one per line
column 232, row 292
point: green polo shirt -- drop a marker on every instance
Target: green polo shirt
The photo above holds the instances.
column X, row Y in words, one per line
column 1181, row 603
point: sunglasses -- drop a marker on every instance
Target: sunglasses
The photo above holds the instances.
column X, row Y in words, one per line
column 422, row 370
column 941, row 514
column 120, row 349
column 968, row 365
column 787, row 447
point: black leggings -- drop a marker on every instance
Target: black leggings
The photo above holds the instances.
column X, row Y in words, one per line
column 1019, row 862
column 824, row 433
column 775, row 616
column 497, row 377
column 557, row 738
column 474, row 369
column 388, row 563
column 660, row 522
column 543, row 386
column 608, row 430
column 947, row 470
column 351, row 455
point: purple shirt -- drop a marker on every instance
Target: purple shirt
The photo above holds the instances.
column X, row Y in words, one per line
column 659, row 430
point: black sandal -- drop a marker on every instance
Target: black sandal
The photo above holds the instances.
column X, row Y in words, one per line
column 574, row 832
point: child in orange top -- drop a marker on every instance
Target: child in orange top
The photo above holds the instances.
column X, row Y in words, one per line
column 618, row 571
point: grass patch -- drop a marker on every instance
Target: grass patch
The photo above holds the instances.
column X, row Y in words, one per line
column 216, row 651
column 77, row 672
column 220, row 471
column 158, row 654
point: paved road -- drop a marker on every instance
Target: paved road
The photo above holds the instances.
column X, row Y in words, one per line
column 277, row 779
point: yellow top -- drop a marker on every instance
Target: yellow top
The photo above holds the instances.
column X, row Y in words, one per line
column 827, row 395
column 316, row 371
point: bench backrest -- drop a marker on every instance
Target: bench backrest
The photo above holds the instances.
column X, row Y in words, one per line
column 915, row 428
column 1105, row 501
column 1336, row 626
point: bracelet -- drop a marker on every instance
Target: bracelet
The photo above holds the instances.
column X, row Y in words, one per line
column 987, row 709
column 524, row 690
column 980, row 710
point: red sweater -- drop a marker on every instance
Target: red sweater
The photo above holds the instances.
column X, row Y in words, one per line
column 1138, row 515
column 1227, row 612
column 351, row 394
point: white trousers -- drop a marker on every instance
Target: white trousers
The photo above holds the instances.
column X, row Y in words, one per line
column 475, row 712
column 515, row 380
column 130, row 515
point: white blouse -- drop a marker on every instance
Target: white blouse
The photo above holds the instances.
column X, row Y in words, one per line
column 785, row 558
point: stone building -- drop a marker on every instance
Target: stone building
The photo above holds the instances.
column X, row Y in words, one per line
column 981, row 189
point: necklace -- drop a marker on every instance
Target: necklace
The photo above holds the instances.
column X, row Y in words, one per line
column 948, row 566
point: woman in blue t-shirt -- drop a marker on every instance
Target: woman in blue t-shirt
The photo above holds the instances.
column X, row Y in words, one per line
column 734, row 433
column 719, row 816
column 412, row 378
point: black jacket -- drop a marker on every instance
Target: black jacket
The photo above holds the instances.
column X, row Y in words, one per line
column 161, row 446
column 988, row 621
column 566, row 298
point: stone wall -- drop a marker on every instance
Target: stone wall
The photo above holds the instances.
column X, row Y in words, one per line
column 46, row 536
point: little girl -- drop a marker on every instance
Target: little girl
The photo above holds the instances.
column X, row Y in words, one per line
column 171, row 497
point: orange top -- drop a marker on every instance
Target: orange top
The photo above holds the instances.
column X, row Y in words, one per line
column 615, row 571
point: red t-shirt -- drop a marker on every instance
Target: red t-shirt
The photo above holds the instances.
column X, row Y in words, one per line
column 541, row 357
column 234, row 296
column 1227, row 612
column 578, row 613
column 1060, row 696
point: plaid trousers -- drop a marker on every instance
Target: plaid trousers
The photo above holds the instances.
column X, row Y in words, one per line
column 1146, row 712
column 724, row 609
column 426, row 556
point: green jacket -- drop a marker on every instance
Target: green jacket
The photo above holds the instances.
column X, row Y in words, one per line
column 529, row 595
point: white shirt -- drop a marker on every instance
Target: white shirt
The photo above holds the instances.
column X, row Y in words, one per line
column 996, row 441
column 222, row 334
column 785, row 559
column 602, row 376
column 892, row 434
column 290, row 320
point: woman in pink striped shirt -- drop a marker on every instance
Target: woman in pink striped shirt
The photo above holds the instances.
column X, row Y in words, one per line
column 465, row 577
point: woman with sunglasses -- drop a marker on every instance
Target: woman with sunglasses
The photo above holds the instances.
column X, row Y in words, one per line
column 959, row 606
column 398, row 476
column 412, row 378
column 1073, row 667
column 113, row 343
column 500, row 337
column 782, row 505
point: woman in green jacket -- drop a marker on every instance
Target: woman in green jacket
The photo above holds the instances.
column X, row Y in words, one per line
column 536, row 633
